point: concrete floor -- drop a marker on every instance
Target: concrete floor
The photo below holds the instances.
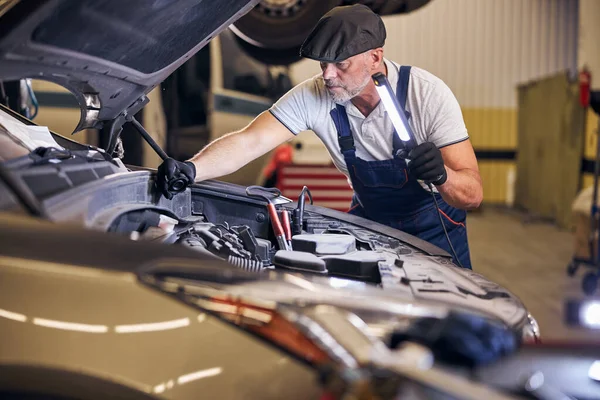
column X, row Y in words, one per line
column 529, row 258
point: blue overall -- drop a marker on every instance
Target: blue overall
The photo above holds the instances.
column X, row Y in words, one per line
column 385, row 192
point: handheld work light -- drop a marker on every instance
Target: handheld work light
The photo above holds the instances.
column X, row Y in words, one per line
column 396, row 114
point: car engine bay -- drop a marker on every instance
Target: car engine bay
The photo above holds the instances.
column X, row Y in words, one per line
column 236, row 224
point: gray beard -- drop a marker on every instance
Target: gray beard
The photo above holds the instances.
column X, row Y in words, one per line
column 347, row 95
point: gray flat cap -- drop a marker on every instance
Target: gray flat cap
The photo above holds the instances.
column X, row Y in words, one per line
column 344, row 32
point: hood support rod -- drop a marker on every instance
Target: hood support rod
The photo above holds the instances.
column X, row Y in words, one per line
column 142, row 131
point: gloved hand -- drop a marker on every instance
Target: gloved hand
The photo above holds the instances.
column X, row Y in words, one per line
column 426, row 163
column 171, row 169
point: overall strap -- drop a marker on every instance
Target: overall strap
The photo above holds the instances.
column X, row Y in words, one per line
column 342, row 124
column 402, row 88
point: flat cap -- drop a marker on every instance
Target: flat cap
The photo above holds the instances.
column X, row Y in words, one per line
column 344, row 32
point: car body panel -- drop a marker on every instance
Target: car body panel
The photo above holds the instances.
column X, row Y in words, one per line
column 127, row 333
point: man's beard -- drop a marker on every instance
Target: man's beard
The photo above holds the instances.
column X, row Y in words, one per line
column 347, row 92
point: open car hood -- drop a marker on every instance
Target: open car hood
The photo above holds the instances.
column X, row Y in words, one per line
column 108, row 53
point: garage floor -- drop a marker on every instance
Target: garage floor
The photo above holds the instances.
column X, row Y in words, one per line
column 529, row 258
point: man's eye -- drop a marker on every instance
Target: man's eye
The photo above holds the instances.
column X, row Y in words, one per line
column 342, row 65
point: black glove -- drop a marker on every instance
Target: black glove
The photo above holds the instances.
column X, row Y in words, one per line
column 170, row 171
column 426, row 163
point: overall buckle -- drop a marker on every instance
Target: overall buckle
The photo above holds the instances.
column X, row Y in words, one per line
column 346, row 143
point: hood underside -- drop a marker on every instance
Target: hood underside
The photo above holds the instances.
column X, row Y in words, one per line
column 108, row 53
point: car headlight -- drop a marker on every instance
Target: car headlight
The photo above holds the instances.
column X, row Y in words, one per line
column 531, row 330
column 343, row 334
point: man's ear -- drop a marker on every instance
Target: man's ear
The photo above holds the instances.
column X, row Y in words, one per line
column 376, row 57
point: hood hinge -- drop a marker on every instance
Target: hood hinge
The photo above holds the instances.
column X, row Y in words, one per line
column 112, row 129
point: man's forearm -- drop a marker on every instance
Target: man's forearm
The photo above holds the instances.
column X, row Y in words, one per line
column 234, row 150
column 462, row 189
column 222, row 156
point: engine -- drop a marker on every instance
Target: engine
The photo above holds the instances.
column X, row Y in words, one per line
column 323, row 246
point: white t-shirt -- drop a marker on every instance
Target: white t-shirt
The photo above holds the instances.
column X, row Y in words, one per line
column 435, row 116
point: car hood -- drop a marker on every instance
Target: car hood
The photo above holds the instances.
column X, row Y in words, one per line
column 108, row 53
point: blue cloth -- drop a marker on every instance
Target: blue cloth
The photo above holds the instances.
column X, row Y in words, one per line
column 385, row 192
column 462, row 339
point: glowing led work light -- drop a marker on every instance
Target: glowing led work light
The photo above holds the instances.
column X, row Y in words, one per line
column 391, row 105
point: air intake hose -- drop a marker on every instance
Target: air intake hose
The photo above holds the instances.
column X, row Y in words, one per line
column 245, row 263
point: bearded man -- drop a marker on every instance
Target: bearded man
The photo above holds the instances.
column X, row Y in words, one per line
column 342, row 106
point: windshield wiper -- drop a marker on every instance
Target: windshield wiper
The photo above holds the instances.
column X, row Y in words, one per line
column 43, row 155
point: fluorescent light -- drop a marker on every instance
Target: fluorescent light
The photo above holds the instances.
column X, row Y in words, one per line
column 217, row 307
column 589, row 314
column 160, row 388
column 12, row 315
column 339, row 283
column 205, row 373
column 70, row 326
column 153, row 327
column 390, row 107
column 300, row 282
column 256, row 315
column 535, row 382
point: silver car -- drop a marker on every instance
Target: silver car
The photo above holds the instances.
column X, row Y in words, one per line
column 109, row 290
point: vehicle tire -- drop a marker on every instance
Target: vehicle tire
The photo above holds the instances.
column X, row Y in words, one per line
column 270, row 56
column 589, row 284
column 397, row 7
column 281, row 24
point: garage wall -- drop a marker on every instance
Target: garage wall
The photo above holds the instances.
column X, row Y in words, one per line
column 483, row 49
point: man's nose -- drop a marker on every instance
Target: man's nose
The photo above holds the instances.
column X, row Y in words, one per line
column 329, row 72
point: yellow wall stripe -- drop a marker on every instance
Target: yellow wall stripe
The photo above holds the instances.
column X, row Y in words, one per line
column 587, row 180
column 591, row 135
column 494, row 129
column 491, row 128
